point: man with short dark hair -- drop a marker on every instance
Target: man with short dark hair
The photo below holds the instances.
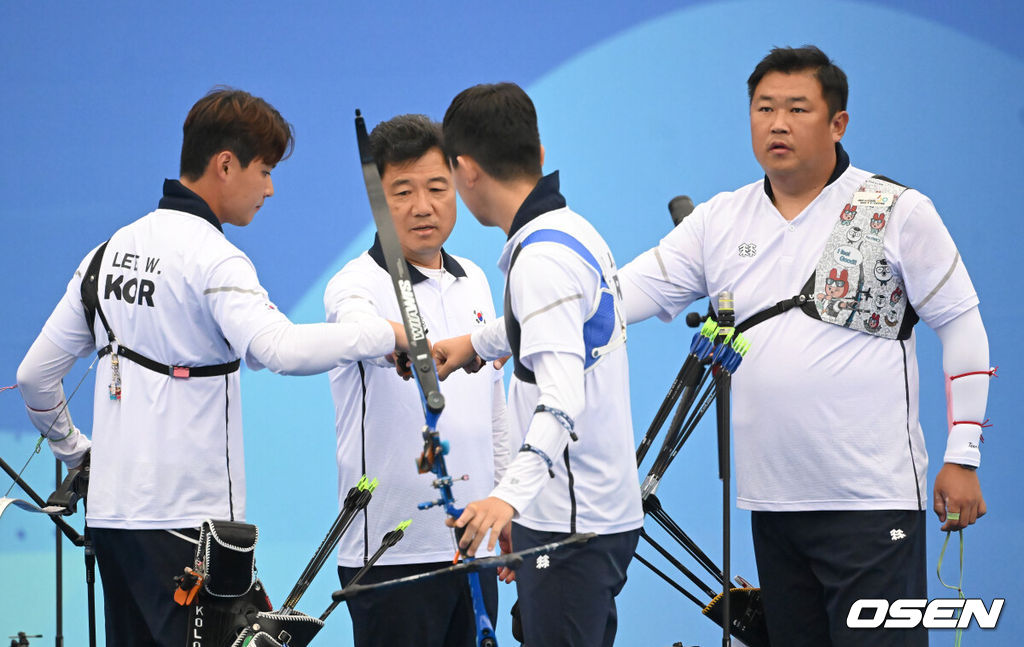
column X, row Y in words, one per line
column 569, row 396
column 173, row 307
column 379, row 414
column 830, row 455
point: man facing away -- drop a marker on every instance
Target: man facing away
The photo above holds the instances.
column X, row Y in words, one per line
column 569, row 396
column 173, row 307
column 830, row 455
column 379, row 415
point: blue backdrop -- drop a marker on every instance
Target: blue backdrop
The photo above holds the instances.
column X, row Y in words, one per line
column 638, row 102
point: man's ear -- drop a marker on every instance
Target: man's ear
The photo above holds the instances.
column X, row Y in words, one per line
column 469, row 169
column 542, row 155
column 839, row 122
column 221, row 164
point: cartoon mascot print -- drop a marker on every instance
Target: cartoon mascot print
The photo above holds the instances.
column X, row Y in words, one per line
column 846, row 217
column 833, row 299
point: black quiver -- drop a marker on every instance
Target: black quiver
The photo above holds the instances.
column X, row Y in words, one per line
column 229, row 594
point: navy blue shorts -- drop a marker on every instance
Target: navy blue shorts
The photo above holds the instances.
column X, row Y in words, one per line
column 567, row 597
column 813, row 566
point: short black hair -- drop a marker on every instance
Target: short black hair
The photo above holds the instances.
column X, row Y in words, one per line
column 798, row 59
column 404, row 138
column 496, row 125
column 234, row 120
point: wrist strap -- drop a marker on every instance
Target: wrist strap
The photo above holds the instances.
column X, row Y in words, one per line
column 540, row 452
column 65, row 437
column 562, row 418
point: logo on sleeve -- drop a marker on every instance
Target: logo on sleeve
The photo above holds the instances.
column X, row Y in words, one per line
column 478, row 317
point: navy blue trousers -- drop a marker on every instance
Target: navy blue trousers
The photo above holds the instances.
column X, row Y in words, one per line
column 567, row 598
column 137, row 569
column 437, row 612
column 814, row 565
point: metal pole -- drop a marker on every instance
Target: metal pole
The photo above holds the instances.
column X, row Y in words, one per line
column 725, row 383
column 58, row 637
column 90, row 583
column 726, row 323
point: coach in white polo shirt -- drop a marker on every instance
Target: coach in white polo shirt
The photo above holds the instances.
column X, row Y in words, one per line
column 173, row 307
column 830, row 456
column 380, row 416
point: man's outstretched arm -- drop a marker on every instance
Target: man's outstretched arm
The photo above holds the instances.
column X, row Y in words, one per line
column 958, row 501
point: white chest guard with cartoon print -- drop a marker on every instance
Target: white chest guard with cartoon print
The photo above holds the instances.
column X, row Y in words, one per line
column 854, row 285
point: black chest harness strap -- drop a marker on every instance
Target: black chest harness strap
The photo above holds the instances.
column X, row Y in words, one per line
column 768, row 313
column 91, row 303
column 806, row 303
